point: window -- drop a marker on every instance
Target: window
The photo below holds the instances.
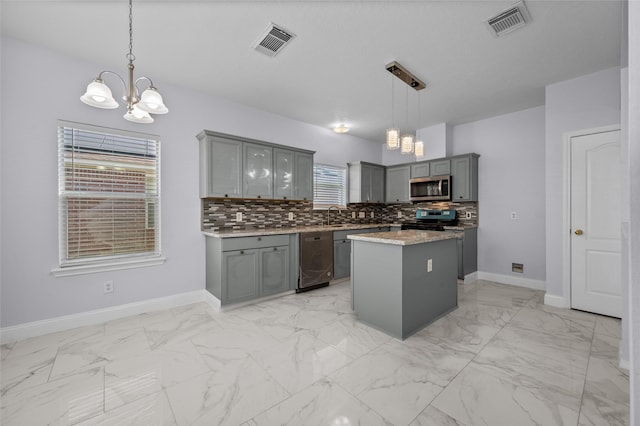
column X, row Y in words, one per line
column 329, row 186
column 108, row 195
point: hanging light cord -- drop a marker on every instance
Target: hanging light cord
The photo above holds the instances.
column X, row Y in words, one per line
column 131, row 57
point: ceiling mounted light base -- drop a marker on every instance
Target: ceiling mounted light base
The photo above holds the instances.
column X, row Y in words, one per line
column 403, row 74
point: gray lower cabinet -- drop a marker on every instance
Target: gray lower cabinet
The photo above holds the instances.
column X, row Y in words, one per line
column 342, row 250
column 397, row 184
column 467, row 252
column 245, row 268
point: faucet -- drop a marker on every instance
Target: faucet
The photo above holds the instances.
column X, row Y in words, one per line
column 328, row 210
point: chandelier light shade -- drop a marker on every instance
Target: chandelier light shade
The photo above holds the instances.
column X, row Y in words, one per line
column 418, row 148
column 406, row 144
column 393, row 138
column 139, row 107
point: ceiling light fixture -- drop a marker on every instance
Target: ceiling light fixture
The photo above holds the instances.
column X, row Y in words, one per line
column 418, row 145
column 406, row 141
column 139, row 107
column 394, row 141
column 341, row 128
column 393, row 133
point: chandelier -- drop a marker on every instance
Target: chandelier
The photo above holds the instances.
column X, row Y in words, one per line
column 139, row 107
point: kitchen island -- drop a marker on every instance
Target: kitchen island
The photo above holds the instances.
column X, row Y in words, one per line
column 403, row 280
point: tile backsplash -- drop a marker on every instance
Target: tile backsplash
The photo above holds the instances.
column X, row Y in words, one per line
column 220, row 213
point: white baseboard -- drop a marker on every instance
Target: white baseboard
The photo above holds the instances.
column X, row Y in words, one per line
column 556, row 301
column 623, row 363
column 511, row 280
column 472, row 277
column 38, row 328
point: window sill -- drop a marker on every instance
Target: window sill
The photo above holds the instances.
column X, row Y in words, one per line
column 68, row 271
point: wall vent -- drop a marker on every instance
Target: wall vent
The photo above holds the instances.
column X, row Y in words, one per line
column 517, row 16
column 273, row 40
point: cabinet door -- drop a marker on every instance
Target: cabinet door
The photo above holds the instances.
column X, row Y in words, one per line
column 341, row 258
column 283, row 174
column 397, row 184
column 274, row 274
column 460, row 182
column 240, row 275
column 258, row 169
column 220, row 167
column 377, row 185
column 440, row 167
column 303, row 176
column 419, row 170
column 365, row 183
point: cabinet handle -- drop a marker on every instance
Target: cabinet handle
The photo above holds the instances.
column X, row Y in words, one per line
column 275, row 249
column 285, row 198
column 259, row 238
column 241, row 251
column 259, row 196
column 226, row 195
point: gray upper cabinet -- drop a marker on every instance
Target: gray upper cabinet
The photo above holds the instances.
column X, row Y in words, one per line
column 257, row 171
column 440, row 167
column 419, row 170
column 235, row 167
column 397, row 184
column 220, row 167
column 366, row 183
column 303, row 176
column 464, row 178
column 283, row 171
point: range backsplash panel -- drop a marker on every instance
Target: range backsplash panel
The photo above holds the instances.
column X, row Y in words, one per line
column 219, row 214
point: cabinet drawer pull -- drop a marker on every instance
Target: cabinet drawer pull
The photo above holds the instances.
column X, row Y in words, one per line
column 226, row 195
column 259, row 238
column 285, row 198
column 241, row 251
column 259, row 196
column 275, row 249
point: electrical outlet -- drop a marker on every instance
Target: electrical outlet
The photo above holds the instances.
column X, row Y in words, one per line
column 372, row 215
column 107, row 287
column 514, row 216
column 468, row 215
column 239, row 217
column 361, row 215
column 353, row 215
column 429, row 265
column 291, row 217
column 399, row 214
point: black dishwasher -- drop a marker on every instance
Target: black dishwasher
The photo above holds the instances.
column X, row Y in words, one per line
column 316, row 260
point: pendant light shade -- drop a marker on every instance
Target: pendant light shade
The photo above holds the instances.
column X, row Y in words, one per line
column 393, row 138
column 406, row 144
column 99, row 95
column 151, row 101
column 418, row 148
column 136, row 115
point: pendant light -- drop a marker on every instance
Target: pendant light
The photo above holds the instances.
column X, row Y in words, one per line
column 418, row 145
column 406, row 141
column 139, row 107
column 393, row 134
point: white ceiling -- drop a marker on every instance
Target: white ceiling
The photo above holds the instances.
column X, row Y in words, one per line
column 334, row 69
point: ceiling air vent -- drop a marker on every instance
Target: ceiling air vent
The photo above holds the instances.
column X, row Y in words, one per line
column 273, row 40
column 517, row 16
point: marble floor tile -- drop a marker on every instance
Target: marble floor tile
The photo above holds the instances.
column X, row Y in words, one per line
column 553, row 323
column 227, row 397
column 482, row 313
column 66, row 401
column 608, row 325
column 606, row 395
column 459, row 333
column 23, row 371
column 179, row 329
column 52, row 341
column 553, row 361
column 351, row 336
column 137, row 321
column 503, row 295
column 300, row 360
column 151, row 410
column 478, row 396
column 323, row 403
column 97, row 351
column 431, row 416
column 5, row 349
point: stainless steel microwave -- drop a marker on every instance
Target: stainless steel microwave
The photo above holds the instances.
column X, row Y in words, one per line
column 434, row 188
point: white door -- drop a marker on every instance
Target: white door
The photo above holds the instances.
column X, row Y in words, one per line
column 595, row 223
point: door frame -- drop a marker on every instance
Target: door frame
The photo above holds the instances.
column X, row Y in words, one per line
column 566, row 204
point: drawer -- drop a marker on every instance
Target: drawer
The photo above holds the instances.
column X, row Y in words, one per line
column 244, row 243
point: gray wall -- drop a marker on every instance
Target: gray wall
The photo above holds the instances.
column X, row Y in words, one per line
column 585, row 102
column 40, row 86
column 510, row 179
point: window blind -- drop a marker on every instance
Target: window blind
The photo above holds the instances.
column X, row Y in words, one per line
column 109, row 194
column 329, row 186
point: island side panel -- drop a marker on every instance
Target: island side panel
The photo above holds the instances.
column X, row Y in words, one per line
column 376, row 271
column 428, row 295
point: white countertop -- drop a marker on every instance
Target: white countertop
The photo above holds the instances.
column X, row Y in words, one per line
column 404, row 238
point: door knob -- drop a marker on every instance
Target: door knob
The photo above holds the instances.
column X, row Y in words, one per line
column 578, row 232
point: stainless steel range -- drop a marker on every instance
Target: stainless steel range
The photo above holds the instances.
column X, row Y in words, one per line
column 432, row 220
